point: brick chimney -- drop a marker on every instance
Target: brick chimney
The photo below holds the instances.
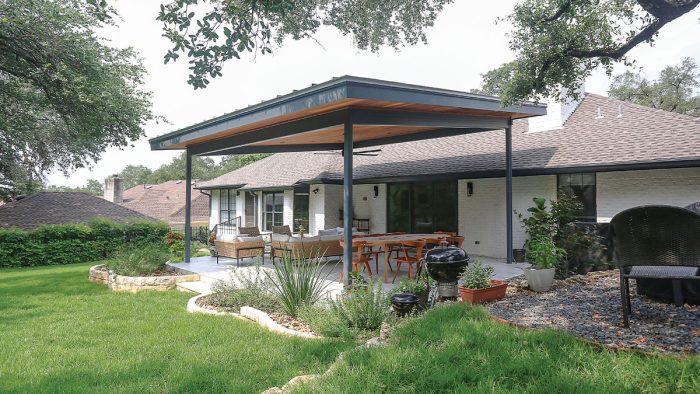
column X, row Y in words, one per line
column 114, row 190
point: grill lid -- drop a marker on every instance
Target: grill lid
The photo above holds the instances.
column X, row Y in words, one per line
column 446, row 255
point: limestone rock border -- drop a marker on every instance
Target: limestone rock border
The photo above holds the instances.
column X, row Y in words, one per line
column 99, row 274
column 252, row 314
column 133, row 284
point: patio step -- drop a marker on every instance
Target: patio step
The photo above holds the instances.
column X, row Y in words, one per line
column 199, row 286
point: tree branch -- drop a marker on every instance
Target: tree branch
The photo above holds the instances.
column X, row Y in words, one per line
column 562, row 9
column 616, row 53
column 667, row 9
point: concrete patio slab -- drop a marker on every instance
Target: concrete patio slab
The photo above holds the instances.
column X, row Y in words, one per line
column 227, row 270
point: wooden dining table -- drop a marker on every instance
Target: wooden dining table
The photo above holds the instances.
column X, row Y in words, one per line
column 387, row 241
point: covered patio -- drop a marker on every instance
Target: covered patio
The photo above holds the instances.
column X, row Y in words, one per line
column 210, row 272
column 345, row 114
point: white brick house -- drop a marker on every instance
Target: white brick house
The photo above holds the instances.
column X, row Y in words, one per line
column 612, row 154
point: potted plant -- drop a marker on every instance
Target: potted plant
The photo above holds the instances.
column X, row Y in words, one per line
column 418, row 287
column 545, row 256
column 477, row 285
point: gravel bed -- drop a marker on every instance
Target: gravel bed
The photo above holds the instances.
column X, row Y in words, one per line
column 589, row 307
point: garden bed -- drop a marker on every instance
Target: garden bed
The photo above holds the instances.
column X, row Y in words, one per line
column 287, row 325
column 159, row 280
column 589, row 307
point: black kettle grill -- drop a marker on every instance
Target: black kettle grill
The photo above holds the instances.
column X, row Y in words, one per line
column 445, row 265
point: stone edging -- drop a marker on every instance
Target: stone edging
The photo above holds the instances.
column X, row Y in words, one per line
column 252, row 314
column 99, row 274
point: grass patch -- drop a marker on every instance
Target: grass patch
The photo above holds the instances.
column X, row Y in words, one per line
column 61, row 333
column 457, row 348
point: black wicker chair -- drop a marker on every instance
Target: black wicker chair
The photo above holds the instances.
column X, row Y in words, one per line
column 655, row 242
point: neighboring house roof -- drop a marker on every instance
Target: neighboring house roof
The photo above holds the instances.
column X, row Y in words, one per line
column 640, row 138
column 61, row 207
column 166, row 201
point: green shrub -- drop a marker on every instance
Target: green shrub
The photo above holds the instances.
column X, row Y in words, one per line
column 227, row 295
column 325, row 322
column 363, row 308
column 245, row 288
column 298, row 282
column 139, row 260
column 74, row 243
column 477, row 276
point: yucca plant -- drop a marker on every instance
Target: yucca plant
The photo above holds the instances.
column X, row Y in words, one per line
column 298, row 282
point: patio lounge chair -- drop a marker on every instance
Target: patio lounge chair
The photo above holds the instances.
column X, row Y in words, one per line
column 655, row 242
column 281, row 230
column 248, row 243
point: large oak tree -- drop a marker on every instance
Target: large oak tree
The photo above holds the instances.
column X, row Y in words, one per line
column 557, row 42
column 65, row 95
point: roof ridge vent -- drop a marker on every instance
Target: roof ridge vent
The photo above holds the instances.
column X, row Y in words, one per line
column 600, row 114
column 620, row 110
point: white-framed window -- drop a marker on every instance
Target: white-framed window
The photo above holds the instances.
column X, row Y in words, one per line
column 273, row 210
column 227, row 205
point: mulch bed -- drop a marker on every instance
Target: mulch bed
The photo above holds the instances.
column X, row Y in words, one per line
column 589, row 307
column 208, row 301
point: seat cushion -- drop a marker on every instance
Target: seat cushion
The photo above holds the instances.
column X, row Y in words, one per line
column 280, row 237
column 334, row 237
column 249, row 239
column 227, row 237
column 657, row 271
column 324, row 233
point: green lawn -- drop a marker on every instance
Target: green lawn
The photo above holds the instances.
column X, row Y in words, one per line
column 458, row 349
column 60, row 333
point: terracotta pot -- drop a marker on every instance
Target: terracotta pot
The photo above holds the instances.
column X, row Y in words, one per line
column 495, row 292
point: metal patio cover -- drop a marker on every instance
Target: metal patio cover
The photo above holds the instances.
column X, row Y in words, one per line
column 347, row 113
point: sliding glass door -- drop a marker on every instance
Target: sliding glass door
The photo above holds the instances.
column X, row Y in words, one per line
column 422, row 207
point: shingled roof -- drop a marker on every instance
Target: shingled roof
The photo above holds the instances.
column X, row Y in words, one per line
column 166, row 201
column 59, row 208
column 639, row 137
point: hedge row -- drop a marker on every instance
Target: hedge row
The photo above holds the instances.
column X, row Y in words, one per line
column 74, row 243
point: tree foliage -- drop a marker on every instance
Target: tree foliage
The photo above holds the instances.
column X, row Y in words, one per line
column 92, row 186
column 65, row 96
column 135, row 175
column 558, row 43
column 675, row 90
column 211, row 32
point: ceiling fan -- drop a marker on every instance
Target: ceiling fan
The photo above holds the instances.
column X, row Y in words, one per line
column 371, row 152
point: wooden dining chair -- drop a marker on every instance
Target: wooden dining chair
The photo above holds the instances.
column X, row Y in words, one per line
column 434, row 242
column 359, row 258
column 416, row 260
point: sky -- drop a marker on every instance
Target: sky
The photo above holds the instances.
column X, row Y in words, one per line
column 464, row 43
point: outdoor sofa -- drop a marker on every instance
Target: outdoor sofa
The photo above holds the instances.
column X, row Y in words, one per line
column 326, row 244
column 246, row 243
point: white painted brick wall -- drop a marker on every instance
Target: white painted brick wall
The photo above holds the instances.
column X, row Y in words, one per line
column 240, row 206
column 617, row 191
column 316, row 210
column 482, row 216
column 214, row 211
column 333, row 203
column 288, row 216
column 260, row 209
column 366, row 206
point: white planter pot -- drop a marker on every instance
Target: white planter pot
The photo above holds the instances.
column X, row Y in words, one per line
column 539, row 280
